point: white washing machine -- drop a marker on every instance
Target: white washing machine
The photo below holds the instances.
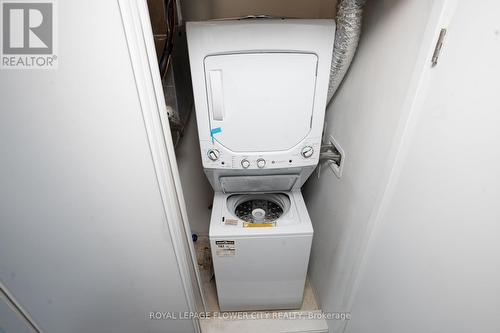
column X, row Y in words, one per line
column 260, row 89
column 264, row 266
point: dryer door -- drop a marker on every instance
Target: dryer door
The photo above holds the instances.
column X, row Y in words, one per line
column 260, row 102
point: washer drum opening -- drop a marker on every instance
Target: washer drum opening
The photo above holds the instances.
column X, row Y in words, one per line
column 259, row 208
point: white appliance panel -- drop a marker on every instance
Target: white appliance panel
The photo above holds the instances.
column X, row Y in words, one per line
column 261, row 267
column 264, row 272
column 260, row 89
column 261, row 101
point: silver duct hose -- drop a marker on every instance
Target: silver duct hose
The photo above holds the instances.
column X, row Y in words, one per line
column 349, row 15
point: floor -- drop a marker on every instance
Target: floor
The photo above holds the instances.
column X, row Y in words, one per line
column 306, row 319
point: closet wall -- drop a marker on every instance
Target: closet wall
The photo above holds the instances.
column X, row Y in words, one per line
column 366, row 117
column 432, row 262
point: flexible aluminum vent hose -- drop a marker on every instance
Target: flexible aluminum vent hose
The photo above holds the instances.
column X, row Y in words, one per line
column 349, row 16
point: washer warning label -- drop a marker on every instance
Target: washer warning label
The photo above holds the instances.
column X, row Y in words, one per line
column 225, row 248
column 231, row 222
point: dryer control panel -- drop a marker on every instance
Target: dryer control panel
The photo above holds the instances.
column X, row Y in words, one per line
column 216, row 156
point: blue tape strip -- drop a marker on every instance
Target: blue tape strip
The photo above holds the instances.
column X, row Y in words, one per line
column 214, row 131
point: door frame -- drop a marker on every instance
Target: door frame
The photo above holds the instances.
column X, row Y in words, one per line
column 141, row 47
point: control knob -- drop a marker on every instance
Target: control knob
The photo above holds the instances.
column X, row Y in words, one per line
column 261, row 163
column 307, row 151
column 245, row 164
column 213, row 154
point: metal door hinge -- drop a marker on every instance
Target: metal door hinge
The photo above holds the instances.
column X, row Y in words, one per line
column 439, row 46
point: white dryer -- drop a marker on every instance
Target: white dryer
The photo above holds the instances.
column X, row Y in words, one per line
column 260, row 89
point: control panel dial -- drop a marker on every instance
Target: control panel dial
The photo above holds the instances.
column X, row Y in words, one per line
column 213, row 154
column 307, row 151
column 261, row 163
column 245, row 164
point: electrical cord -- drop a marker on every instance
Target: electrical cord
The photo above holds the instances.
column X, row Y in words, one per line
column 170, row 21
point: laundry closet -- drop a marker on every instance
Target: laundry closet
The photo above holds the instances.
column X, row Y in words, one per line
column 254, row 166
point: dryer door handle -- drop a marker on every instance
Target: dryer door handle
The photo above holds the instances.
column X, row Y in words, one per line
column 216, row 94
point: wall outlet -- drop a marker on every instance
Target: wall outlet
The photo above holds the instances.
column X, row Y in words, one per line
column 337, row 166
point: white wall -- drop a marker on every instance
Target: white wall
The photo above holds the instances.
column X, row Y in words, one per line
column 84, row 239
column 366, row 118
column 11, row 320
column 433, row 263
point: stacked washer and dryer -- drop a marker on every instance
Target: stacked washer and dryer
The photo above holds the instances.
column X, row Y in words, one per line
column 260, row 90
